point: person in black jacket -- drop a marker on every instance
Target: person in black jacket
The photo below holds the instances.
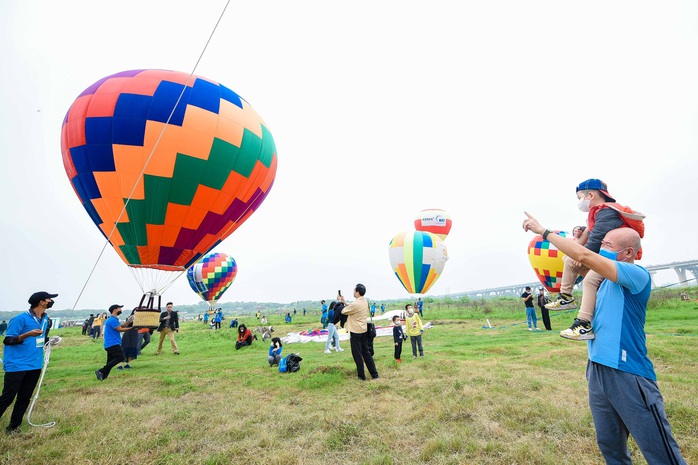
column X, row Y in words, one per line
column 542, row 300
column 398, row 336
column 169, row 324
column 334, row 318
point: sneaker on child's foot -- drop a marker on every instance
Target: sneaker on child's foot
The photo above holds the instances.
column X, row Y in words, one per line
column 563, row 302
column 579, row 331
column 340, row 349
column 328, row 351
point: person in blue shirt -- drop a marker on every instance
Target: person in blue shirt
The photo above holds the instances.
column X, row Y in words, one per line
column 323, row 317
column 23, row 357
column 112, row 341
column 419, row 304
column 275, row 350
column 623, row 394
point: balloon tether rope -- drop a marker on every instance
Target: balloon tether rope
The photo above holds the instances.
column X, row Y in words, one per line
column 140, row 176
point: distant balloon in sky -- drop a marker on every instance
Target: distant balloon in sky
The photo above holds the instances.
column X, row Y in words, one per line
column 547, row 261
column 418, row 259
column 192, row 156
column 434, row 221
column 211, row 276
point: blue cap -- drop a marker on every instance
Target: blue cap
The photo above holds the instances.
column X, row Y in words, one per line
column 595, row 184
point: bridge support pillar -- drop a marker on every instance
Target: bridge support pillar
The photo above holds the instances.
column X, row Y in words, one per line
column 683, row 277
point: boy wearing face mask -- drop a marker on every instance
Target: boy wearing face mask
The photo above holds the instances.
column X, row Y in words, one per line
column 604, row 215
column 24, row 356
column 414, row 329
column 112, row 341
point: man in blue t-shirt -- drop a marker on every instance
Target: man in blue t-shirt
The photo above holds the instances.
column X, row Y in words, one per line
column 24, row 356
column 623, row 394
column 112, row 341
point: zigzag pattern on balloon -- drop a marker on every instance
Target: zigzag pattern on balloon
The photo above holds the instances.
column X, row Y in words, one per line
column 214, row 163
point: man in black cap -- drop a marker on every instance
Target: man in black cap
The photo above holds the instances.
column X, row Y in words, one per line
column 24, row 356
column 112, row 341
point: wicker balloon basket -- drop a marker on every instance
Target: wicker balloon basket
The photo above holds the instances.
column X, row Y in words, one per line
column 145, row 318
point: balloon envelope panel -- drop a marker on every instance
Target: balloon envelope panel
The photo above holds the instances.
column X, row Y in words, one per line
column 211, row 162
column 418, row 259
column 212, row 276
column 434, row 221
column 547, row 261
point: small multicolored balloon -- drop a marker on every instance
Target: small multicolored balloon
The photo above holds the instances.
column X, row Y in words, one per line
column 434, row 221
column 547, row 261
column 212, row 276
column 418, row 259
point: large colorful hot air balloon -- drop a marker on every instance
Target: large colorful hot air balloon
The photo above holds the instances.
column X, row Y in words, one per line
column 434, row 221
column 166, row 164
column 211, row 276
column 418, row 259
column 547, row 261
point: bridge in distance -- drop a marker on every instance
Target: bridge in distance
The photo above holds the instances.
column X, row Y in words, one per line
column 682, row 270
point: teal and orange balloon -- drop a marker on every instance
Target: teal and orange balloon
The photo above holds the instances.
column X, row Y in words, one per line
column 211, row 276
column 193, row 159
column 418, row 259
column 435, row 221
column 547, row 261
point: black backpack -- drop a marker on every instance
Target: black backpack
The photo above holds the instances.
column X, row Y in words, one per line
column 293, row 363
column 371, row 332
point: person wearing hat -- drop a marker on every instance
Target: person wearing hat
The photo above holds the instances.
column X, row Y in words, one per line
column 603, row 215
column 112, row 341
column 24, row 356
column 624, row 398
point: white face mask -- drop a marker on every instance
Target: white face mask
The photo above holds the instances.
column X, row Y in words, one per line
column 584, row 204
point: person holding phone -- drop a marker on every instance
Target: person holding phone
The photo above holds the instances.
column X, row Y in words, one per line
column 357, row 314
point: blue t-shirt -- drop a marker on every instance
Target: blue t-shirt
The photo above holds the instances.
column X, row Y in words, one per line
column 29, row 354
column 112, row 337
column 619, row 322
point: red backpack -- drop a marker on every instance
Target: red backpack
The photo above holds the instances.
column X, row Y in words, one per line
column 631, row 219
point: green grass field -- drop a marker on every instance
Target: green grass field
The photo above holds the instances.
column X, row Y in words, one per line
column 479, row 396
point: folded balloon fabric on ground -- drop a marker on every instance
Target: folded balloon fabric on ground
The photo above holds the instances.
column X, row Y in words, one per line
column 320, row 335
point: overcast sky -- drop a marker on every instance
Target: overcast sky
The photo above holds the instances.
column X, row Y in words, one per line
column 379, row 109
